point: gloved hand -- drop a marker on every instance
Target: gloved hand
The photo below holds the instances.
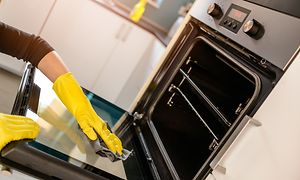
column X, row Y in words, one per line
column 14, row 128
column 71, row 94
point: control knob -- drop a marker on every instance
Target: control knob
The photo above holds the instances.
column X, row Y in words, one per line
column 215, row 11
column 253, row 29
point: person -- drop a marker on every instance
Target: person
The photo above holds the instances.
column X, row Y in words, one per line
column 40, row 54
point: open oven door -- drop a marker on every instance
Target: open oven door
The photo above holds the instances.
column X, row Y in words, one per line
column 61, row 151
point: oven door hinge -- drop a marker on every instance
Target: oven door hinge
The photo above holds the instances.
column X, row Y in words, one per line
column 137, row 116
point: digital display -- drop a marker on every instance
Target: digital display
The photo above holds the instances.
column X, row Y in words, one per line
column 237, row 15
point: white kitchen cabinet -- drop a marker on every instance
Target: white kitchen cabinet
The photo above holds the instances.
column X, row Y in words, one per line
column 271, row 151
column 84, row 34
column 127, row 97
column 101, row 48
column 27, row 15
column 123, row 64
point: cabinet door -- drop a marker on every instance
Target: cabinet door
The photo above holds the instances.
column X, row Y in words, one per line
column 27, row 15
column 128, row 96
column 84, row 34
column 270, row 151
column 133, row 44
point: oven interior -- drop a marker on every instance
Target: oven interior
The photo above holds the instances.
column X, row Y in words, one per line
column 205, row 97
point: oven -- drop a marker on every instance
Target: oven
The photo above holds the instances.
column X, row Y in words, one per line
column 215, row 74
column 218, row 70
column 207, row 90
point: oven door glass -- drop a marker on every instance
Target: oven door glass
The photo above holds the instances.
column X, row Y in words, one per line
column 60, row 131
column 61, row 150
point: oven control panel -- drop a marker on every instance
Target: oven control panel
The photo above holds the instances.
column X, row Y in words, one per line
column 234, row 18
column 268, row 33
column 215, row 11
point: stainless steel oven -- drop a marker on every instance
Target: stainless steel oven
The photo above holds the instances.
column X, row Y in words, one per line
column 217, row 71
column 224, row 62
column 207, row 89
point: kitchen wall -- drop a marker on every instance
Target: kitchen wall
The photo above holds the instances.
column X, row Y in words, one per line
column 164, row 16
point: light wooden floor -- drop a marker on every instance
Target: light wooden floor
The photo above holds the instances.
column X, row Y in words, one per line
column 9, row 84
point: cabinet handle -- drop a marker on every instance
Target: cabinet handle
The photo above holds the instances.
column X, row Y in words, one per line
column 232, row 139
column 126, row 33
column 119, row 32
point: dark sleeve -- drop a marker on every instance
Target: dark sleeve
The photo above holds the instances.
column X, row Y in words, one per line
column 22, row 45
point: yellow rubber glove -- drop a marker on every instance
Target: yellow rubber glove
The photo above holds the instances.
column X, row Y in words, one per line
column 13, row 128
column 138, row 10
column 71, row 94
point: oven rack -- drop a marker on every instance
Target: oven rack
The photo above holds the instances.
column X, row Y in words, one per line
column 206, row 99
column 186, row 78
column 172, row 87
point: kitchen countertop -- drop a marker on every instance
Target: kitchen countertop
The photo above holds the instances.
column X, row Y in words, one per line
column 124, row 12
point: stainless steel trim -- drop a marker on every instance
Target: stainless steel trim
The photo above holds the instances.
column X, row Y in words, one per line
column 281, row 38
column 292, row 58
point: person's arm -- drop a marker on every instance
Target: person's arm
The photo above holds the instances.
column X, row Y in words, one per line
column 22, row 45
column 38, row 52
column 57, row 66
column 14, row 43
column 33, row 49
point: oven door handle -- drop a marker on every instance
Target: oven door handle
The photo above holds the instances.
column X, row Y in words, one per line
column 215, row 163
